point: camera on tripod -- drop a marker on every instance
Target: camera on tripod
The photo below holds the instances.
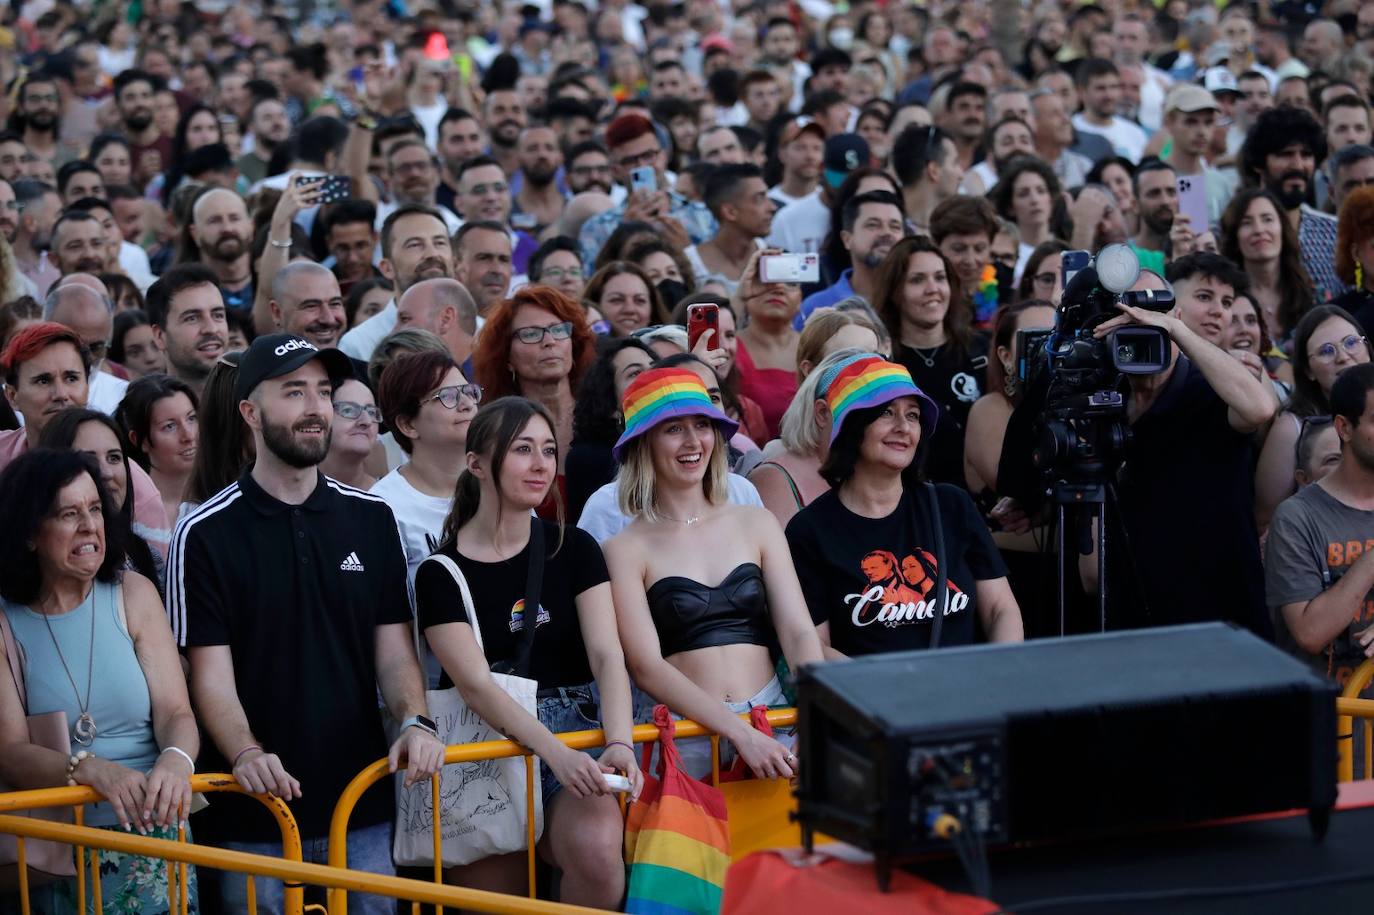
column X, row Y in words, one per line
column 1083, row 430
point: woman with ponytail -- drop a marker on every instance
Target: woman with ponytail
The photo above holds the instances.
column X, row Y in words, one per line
column 574, row 654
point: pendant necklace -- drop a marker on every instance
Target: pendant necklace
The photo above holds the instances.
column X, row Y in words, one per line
column 84, row 731
column 928, row 360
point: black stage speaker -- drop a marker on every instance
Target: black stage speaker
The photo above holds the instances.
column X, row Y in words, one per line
column 1061, row 738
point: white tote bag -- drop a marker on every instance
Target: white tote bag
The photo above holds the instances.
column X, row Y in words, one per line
column 481, row 804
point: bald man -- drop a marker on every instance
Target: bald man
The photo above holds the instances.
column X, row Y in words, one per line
column 223, row 232
column 77, row 303
column 306, row 301
column 445, row 308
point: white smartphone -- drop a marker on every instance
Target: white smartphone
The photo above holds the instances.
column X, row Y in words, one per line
column 1192, row 202
column 790, row 268
column 643, row 179
column 615, row 781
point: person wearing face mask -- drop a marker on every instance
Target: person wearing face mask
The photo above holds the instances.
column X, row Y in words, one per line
column 870, row 223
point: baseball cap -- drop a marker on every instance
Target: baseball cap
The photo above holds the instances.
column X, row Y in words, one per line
column 1188, row 98
column 1219, row 79
column 795, row 127
column 844, row 152
column 275, row 355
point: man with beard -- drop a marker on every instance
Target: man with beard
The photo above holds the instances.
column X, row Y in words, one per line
column 801, row 149
column 38, row 114
column 267, row 119
column 505, row 117
column 482, row 261
column 351, row 240
column 738, row 197
column 460, row 138
column 589, row 168
column 187, row 313
column 870, row 224
column 223, row 232
column 306, row 302
column 1281, row 154
column 1156, row 190
column 39, row 207
column 1099, row 82
column 150, row 151
column 1319, row 584
column 286, row 570
column 926, row 163
column 79, row 243
column 414, row 180
column 538, row 202
column 965, row 118
column 416, row 245
column 484, row 194
column 572, row 119
column 446, row 309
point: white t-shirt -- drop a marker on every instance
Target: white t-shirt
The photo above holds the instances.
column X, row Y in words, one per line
column 420, row 517
column 363, row 339
column 602, row 519
column 784, row 199
column 133, row 260
column 1127, row 139
column 801, row 227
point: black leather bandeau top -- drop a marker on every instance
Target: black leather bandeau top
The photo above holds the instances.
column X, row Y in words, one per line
column 690, row 615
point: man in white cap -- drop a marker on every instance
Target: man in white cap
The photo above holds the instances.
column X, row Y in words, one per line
column 1190, row 117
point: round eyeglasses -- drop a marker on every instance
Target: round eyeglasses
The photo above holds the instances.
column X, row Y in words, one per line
column 448, row 397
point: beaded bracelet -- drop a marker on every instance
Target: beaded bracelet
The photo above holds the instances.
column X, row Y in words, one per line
column 72, row 764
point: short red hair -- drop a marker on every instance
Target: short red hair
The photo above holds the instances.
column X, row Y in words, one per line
column 491, row 359
column 626, row 129
column 35, row 338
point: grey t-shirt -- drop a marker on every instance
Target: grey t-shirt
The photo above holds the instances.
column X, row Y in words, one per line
column 1313, row 539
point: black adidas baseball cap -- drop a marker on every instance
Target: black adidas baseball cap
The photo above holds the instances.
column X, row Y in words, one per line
column 275, row 355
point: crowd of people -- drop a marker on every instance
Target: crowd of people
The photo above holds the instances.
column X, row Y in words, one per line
column 326, row 329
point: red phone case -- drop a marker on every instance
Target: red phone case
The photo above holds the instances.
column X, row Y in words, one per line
column 701, row 318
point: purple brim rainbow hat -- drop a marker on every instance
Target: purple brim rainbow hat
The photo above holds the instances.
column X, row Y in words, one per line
column 869, row 380
column 661, row 394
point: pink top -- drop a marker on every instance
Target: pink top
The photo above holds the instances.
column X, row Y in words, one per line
column 771, row 389
column 150, row 517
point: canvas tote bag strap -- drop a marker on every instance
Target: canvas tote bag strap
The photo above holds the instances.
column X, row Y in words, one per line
column 462, row 583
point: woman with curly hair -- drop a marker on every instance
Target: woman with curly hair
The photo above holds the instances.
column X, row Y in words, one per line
column 537, row 344
column 1030, row 195
column 1256, row 236
column 1355, row 256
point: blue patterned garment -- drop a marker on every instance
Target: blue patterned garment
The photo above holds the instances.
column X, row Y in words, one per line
column 695, row 218
column 1317, row 242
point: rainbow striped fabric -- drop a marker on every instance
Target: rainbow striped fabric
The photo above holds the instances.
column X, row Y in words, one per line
column 676, row 838
column 868, row 380
column 660, row 394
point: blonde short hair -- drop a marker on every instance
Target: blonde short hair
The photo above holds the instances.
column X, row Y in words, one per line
column 636, row 486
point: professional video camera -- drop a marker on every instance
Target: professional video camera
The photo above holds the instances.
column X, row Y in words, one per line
column 1072, row 420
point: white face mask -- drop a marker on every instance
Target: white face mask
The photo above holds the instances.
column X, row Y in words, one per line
column 842, row 39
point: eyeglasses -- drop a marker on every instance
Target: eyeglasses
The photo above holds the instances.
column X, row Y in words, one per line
column 645, row 158
column 39, row 97
column 499, row 188
column 98, row 349
column 448, row 397
column 558, row 273
column 1350, row 345
column 561, row 331
column 584, row 170
column 347, row 409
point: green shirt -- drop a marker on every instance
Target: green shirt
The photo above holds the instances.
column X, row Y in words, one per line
column 1149, row 260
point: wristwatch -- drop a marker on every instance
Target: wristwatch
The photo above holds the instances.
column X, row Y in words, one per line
column 420, row 721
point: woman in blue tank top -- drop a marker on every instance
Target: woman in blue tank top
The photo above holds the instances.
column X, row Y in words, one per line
column 92, row 641
column 703, row 589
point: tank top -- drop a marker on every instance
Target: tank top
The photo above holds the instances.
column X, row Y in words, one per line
column 120, row 703
column 690, row 615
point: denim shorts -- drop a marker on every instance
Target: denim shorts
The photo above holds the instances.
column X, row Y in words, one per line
column 696, row 751
column 563, row 709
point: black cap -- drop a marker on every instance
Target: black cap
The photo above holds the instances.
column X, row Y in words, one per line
column 844, row 152
column 276, row 355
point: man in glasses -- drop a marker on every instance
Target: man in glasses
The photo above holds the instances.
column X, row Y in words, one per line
column 1319, row 576
column 90, row 315
column 589, row 168
column 484, row 196
column 446, row 309
column 634, row 145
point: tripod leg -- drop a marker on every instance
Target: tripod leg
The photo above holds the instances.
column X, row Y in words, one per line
column 1063, row 582
column 1102, row 563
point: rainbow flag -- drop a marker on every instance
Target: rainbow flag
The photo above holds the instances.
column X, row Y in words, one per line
column 676, row 838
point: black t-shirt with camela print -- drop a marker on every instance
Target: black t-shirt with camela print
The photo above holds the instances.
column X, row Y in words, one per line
column 558, row 656
column 873, row 579
column 953, row 379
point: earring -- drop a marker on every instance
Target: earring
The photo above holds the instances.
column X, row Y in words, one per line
column 1359, row 275
column 1008, row 381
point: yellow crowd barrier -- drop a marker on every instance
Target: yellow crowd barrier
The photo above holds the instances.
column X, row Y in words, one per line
column 46, row 798
column 1349, row 707
column 497, row 749
column 289, row 872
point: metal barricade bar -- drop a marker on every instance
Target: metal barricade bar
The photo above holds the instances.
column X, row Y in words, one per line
column 496, row 749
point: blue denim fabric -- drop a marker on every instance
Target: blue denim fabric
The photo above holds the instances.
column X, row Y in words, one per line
column 368, row 850
column 574, row 708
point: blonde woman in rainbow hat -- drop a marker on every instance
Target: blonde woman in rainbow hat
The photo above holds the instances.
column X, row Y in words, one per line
column 703, row 589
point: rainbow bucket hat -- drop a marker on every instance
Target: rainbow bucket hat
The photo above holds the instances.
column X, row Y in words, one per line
column 661, row 394
column 869, row 380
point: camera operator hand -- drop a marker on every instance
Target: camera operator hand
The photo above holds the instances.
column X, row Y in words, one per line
column 1251, row 404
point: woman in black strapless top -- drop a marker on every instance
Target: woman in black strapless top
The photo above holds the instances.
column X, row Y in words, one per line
column 702, row 588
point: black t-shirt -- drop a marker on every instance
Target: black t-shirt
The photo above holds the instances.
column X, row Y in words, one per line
column 297, row 593
column 1187, row 502
column 873, row 579
column 954, row 382
column 588, row 467
column 558, row 656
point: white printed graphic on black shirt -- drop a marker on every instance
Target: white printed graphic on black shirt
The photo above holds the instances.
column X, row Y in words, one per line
column 899, row 593
column 352, row 563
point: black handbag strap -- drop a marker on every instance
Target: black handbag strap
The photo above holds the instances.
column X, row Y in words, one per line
column 941, row 570
column 534, row 586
